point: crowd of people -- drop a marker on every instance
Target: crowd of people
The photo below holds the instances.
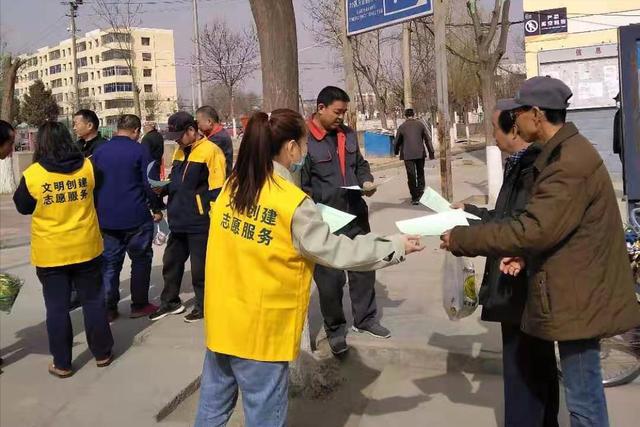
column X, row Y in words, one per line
column 557, row 269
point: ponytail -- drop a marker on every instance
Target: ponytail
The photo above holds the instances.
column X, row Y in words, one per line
column 262, row 141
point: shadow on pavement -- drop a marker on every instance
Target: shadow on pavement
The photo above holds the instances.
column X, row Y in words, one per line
column 33, row 339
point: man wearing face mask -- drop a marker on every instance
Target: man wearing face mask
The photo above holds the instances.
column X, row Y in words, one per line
column 197, row 175
column 333, row 161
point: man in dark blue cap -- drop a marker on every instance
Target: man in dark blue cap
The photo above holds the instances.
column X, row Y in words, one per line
column 570, row 239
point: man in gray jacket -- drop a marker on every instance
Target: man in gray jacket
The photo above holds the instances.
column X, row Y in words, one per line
column 411, row 140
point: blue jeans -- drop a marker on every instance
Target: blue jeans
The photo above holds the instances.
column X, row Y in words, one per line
column 137, row 244
column 264, row 387
column 582, row 380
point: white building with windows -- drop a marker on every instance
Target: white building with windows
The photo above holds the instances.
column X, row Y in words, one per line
column 105, row 83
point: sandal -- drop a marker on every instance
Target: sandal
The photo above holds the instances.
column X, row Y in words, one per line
column 60, row 373
column 104, row 362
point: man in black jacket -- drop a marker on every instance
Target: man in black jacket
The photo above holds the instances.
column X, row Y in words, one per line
column 411, row 140
column 529, row 364
column 154, row 142
column 86, row 126
column 335, row 161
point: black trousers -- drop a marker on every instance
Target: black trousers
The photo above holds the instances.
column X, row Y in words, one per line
column 180, row 247
column 330, row 283
column 56, row 288
column 415, row 177
column 531, row 390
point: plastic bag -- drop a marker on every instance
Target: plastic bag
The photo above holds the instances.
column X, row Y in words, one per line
column 9, row 289
column 161, row 232
column 459, row 294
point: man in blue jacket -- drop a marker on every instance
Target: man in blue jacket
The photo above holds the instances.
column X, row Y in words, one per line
column 123, row 203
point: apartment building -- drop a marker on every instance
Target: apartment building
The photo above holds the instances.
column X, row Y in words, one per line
column 105, row 83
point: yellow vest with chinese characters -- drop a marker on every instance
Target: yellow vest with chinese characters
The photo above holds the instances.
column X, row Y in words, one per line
column 257, row 284
column 64, row 225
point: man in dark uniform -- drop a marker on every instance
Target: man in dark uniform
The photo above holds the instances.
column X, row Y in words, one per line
column 335, row 161
column 86, row 126
column 411, row 140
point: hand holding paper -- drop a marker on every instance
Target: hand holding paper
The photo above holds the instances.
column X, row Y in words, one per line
column 433, row 225
column 437, row 203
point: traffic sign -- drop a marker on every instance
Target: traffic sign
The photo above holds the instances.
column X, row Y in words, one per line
column 367, row 15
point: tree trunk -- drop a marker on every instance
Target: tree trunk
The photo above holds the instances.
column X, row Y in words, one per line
column 136, row 100
column 276, row 26
column 9, row 71
column 232, row 112
column 488, row 90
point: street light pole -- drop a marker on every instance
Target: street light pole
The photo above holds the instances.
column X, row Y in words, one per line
column 73, row 7
column 406, row 64
column 196, row 39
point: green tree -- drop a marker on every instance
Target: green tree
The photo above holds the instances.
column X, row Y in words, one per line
column 39, row 105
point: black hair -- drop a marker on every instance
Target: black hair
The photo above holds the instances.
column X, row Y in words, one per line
column 506, row 121
column 5, row 132
column 210, row 112
column 54, row 143
column 129, row 122
column 555, row 117
column 409, row 112
column 330, row 94
column 89, row 116
column 262, row 141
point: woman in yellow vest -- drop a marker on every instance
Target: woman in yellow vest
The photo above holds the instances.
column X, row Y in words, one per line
column 265, row 237
column 66, row 245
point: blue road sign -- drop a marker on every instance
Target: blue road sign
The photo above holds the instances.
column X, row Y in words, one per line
column 367, row 15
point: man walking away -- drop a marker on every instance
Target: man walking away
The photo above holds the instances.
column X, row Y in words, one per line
column 529, row 363
column 334, row 160
column 123, row 202
column 85, row 126
column 209, row 125
column 570, row 236
column 154, row 142
column 411, row 140
column 197, row 176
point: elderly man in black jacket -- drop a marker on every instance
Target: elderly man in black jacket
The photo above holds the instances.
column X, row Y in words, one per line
column 529, row 366
column 411, row 140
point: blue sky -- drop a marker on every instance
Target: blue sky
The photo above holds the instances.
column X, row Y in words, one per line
column 29, row 24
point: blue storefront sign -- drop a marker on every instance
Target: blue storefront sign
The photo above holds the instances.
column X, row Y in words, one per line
column 367, row 15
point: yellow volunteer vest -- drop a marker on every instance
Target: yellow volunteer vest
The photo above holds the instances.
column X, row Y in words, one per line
column 64, row 225
column 257, row 284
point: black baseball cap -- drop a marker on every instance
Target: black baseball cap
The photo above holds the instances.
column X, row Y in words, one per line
column 542, row 92
column 178, row 123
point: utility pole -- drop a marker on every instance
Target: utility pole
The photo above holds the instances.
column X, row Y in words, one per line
column 73, row 7
column 196, row 39
column 441, row 7
column 349, row 71
column 406, row 64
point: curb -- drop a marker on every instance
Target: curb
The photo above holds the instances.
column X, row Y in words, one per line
column 458, row 149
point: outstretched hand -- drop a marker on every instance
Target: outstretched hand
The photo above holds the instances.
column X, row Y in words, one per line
column 368, row 189
column 445, row 239
column 512, row 266
column 412, row 244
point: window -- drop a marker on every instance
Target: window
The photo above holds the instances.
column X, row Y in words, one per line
column 118, row 87
column 97, row 59
column 66, row 96
column 91, row 60
column 146, row 72
column 41, row 73
column 117, row 70
column 93, row 91
column 90, row 45
column 148, row 88
column 54, row 54
column 118, row 103
column 64, row 67
column 69, row 51
column 81, row 62
column 116, row 37
column 64, row 53
column 116, row 54
column 99, row 90
column 55, row 69
column 84, row 92
column 83, row 77
column 32, row 75
column 70, row 80
column 146, row 56
column 81, row 47
column 97, row 43
column 92, row 75
column 146, row 41
column 65, row 82
column 98, row 73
